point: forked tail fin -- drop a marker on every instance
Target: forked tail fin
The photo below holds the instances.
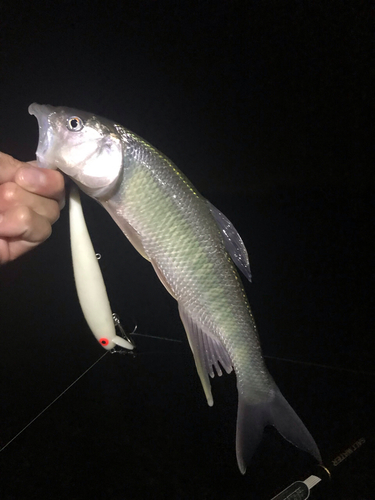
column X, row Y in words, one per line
column 252, row 419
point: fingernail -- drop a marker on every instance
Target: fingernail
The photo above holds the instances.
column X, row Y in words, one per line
column 32, row 177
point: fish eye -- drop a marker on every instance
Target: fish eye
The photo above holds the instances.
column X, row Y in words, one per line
column 75, row 124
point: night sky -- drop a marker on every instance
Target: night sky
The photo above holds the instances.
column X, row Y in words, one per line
column 268, row 108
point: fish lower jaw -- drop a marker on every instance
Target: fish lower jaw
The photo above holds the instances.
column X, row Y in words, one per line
column 42, row 162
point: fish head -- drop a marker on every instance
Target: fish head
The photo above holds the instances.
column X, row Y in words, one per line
column 86, row 148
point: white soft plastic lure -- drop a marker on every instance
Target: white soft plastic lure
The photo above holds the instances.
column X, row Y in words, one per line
column 89, row 281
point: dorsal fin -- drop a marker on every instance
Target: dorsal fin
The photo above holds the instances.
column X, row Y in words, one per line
column 233, row 241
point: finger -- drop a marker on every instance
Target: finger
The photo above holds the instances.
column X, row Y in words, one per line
column 10, row 250
column 48, row 183
column 8, row 167
column 12, row 195
column 44, row 182
column 22, row 223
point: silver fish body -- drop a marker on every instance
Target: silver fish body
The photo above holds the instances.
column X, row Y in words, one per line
column 192, row 247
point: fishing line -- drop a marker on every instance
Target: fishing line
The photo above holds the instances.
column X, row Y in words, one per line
column 286, row 360
column 337, row 368
column 54, row 401
column 156, row 337
column 75, row 381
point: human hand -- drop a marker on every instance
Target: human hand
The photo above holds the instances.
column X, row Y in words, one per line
column 30, row 202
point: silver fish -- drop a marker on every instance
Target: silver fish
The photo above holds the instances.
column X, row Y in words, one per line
column 192, row 247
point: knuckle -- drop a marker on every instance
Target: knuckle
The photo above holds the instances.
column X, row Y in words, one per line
column 9, row 192
column 24, row 216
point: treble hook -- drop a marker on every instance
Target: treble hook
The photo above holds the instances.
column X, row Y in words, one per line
column 123, row 334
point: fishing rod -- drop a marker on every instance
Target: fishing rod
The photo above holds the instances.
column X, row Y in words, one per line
column 300, row 490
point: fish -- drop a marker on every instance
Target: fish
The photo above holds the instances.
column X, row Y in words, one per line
column 194, row 249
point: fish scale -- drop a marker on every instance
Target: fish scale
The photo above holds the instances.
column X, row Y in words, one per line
column 187, row 240
column 180, row 251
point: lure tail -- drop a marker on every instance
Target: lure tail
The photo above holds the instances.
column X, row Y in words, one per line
column 252, row 419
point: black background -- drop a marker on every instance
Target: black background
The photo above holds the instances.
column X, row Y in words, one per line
column 268, row 108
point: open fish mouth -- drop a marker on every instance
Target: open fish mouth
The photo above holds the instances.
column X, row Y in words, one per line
column 42, row 113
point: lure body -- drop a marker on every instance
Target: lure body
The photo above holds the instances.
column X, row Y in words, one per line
column 192, row 247
column 89, row 280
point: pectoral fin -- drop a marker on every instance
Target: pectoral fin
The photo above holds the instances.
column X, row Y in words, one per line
column 207, row 351
column 128, row 230
column 162, row 278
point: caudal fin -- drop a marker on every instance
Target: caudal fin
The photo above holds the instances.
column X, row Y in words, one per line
column 252, row 419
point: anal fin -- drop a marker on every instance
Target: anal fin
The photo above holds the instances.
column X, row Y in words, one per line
column 208, row 352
